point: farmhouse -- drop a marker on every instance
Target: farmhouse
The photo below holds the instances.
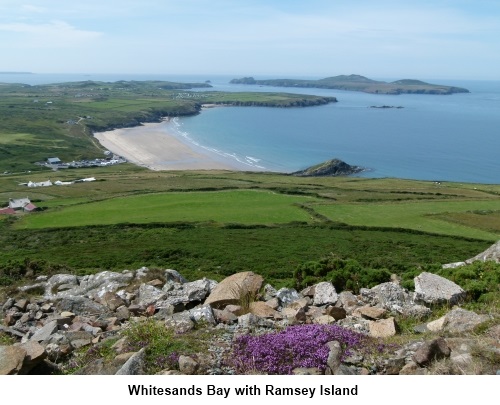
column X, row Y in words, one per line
column 21, row 204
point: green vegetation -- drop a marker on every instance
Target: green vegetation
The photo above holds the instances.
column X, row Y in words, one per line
column 58, row 119
column 358, row 83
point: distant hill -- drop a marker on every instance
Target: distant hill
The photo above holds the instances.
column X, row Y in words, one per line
column 359, row 83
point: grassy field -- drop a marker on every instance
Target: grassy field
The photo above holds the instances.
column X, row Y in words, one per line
column 435, row 217
column 241, row 206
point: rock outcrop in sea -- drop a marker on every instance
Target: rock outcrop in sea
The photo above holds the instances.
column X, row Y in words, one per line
column 333, row 167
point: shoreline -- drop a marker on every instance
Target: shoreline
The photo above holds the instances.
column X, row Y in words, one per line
column 155, row 147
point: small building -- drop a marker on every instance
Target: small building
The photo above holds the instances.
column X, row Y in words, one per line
column 54, row 161
column 18, row 203
column 30, row 207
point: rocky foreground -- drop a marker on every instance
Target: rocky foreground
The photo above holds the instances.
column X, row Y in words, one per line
column 63, row 319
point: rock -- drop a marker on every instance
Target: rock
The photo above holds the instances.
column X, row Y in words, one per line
column 78, row 339
column 294, row 316
column 433, row 289
column 459, row 320
column 287, row 295
column 11, row 359
column 173, row 276
column 392, row 297
column 261, row 309
column 235, row 289
column 492, row 253
column 111, row 300
column 21, row 304
column 59, row 282
column 251, row 320
column 35, row 353
column 301, row 303
column 306, row 371
column 269, row 292
column 225, row 316
column 203, row 314
column 134, row 365
column 187, row 365
column 372, row 313
column 436, row 349
column 44, row 333
column 180, row 322
column 412, row 368
column 324, row 320
column 325, row 294
column 336, row 312
column 333, row 167
column 82, row 306
column 149, row 295
column 383, row 328
column 394, row 365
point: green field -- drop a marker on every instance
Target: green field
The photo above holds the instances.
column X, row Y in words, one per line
column 422, row 216
column 244, row 207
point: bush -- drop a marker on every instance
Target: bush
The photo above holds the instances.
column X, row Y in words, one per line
column 344, row 274
column 297, row 346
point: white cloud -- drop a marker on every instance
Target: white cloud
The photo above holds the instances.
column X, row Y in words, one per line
column 53, row 34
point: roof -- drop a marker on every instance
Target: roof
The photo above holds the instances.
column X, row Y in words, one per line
column 18, row 202
column 7, row 211
column 30, row 207
column 54, row 160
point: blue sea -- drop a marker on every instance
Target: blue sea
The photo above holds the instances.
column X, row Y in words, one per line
column 438, row 138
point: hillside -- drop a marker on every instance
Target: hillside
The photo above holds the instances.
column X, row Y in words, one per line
column 359, row 83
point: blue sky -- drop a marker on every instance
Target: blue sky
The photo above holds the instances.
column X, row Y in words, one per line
column 384, row 38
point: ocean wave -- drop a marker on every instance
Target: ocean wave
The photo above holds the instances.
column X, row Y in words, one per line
column 176, row 125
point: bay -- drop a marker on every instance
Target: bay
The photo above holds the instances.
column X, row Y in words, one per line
column 438, row 138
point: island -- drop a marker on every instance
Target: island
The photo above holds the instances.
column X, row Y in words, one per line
column 333, row 167
column 359, row 83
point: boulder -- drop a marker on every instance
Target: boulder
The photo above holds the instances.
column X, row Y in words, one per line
column 372, row 313
column 44, row 333
column 82, row 306
column 334, row 357
column 325, row 294
column 35, row 353
column 203, row 314
column 261, row 309
column 11, row 359
column 188, row 365
column 149, row 295
column 460, row 320
column 134, row 365
column 435, row 349
column 382, row 328
column 287, row 295
column 235, row 289
column 433, row 289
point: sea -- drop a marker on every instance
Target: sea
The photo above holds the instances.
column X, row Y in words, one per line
column 436, row 138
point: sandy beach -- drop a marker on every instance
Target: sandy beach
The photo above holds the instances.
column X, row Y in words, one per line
column 151, row 146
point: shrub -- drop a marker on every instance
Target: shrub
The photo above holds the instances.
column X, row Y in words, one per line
column 296, row 346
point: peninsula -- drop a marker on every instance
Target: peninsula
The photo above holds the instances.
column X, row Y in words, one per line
column 359, row 83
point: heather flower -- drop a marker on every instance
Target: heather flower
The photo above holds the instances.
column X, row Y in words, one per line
column 297, row 346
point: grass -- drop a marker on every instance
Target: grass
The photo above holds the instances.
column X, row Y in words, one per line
column 422, row 216
column 245, row 207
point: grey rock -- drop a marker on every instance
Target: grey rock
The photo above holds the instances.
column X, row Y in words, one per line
column 325, row 294
column 287, row 295
column 187, row 365
column 82, row 306
column 134, row 365
column 203, row 314
column 334, row 356
column 459, row 320
column 269, row 292
column 149, row 295
column 433, row 289
column 180, row 322
column 173, row 276
column 435, row 349
column 57, row 280
column 44, row 333
column 306, row 371
column 251, row 320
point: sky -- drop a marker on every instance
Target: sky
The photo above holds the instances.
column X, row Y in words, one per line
column 453, row 39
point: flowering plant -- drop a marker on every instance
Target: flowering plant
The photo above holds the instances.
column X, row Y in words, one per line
column 296, row 346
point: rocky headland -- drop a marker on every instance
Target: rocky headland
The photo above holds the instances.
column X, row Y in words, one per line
column 333, row 167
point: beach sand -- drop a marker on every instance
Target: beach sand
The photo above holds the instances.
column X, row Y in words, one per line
column 151, row 146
